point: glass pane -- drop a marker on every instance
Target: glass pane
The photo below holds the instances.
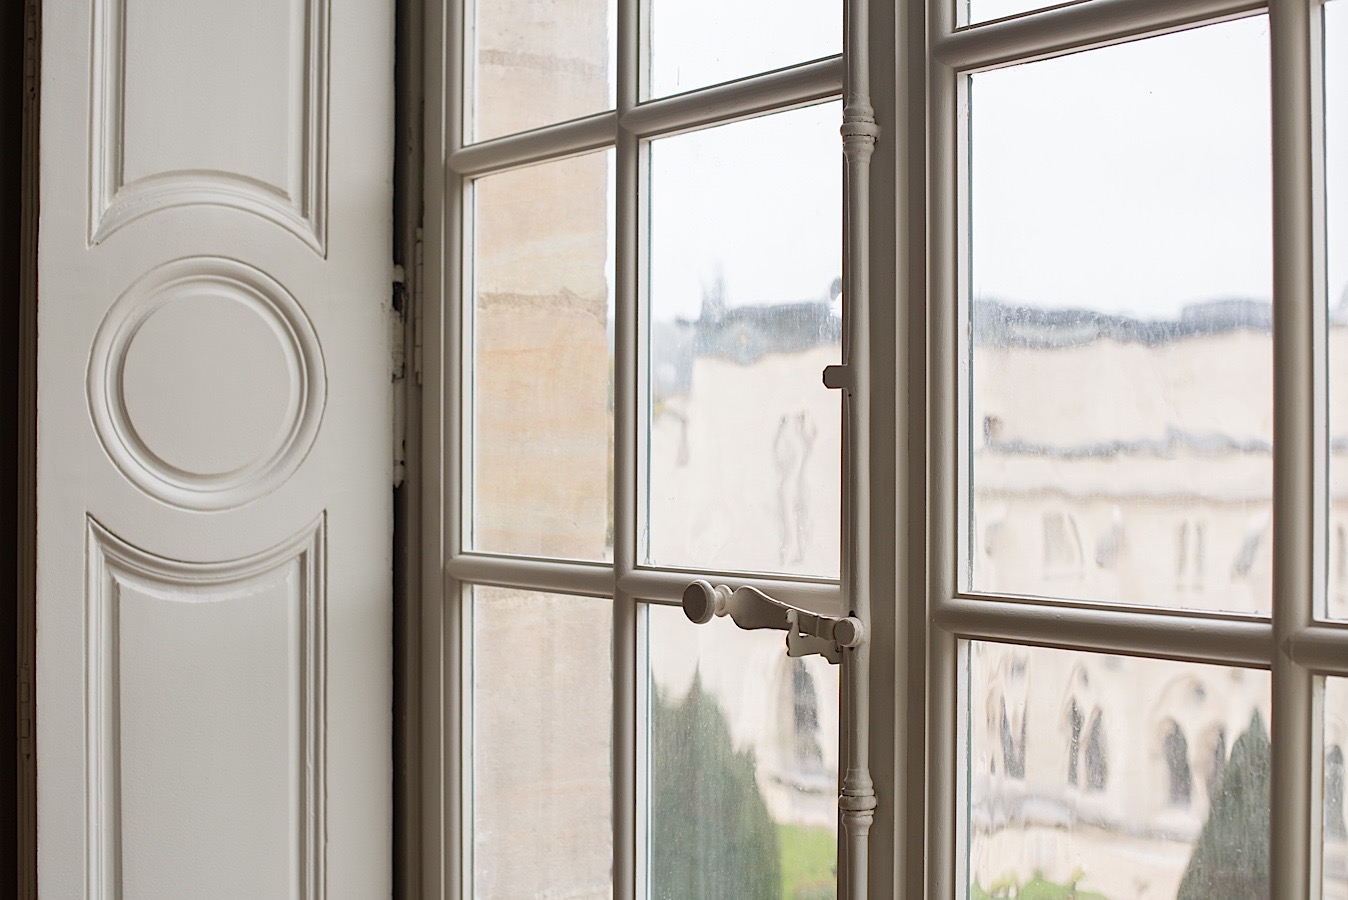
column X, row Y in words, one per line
column 1097, row 776
column 1335, row 832
column 745, row 257
column 974, row 11
column 536, row 64
column 542, row 725
column 696, row 43
column 1120, row 414
column 743, row 764
column 542, row 409
column 1336, row 181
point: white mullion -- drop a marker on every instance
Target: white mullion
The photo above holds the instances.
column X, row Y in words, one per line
column 439, row 720
column 1163, row 634
column 444, row 349
column 462, row 316
column 942, row 835
column 626, row 422
column 1321, row 647
column 1076, row 26
column 744, row 97
column 898, row 630
column 1298, row 451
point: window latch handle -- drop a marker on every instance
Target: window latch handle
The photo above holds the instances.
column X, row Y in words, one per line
column 839, row 378
column 807, row 633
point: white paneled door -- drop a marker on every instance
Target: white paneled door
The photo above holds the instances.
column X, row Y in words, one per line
column 213, row 607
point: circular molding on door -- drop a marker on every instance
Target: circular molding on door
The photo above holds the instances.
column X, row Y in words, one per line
column 206, row 383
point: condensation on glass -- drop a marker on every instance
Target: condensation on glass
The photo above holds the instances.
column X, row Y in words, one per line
column 1095, row 776
column 1336, row 208
column 744, row 284
column 542, row 718
column 697, row 43
column 1334, row 831
column 534, row 64
column 541, row 408
column 973, row 12
column 1118, row 394
column 742, row 764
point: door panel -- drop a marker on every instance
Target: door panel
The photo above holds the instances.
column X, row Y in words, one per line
column 213, row 684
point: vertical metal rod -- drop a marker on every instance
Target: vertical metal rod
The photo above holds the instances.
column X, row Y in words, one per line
column 857, row 801
column 626, row 423
column 1298, row 447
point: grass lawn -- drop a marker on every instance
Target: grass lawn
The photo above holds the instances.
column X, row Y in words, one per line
column 809, row 859
column 1037, row 888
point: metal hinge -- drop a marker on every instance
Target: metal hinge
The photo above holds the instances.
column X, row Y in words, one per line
column 397, row 351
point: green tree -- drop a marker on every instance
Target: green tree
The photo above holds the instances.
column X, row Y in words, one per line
column 712, row 838
column 1230, row 859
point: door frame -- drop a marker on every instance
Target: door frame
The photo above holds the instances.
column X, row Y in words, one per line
column 18, row 383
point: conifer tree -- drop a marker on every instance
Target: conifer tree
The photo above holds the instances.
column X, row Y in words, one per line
column 712, row 837
column 1230, row 858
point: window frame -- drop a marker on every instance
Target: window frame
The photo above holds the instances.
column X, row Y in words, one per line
column 448, row 566
column 1291, row 642
column 915, row 59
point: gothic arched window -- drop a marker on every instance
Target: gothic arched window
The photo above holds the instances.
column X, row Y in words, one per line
column 1074, row 724
column 1013, row 747
column 1176, row 751
column 1097, row 760
column 805, row 718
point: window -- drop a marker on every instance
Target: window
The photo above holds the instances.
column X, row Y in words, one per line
column 1086, row 746
column 641, row 254
column 1100, row 277
column 809, row 755
column 1180, row 779
column 1132, row 280
column 1097, row 755
column 1074, row 745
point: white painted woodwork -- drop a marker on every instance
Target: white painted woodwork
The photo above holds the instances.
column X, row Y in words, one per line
column 214, row 515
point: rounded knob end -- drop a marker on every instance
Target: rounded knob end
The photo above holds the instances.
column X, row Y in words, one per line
column 849, row 632
column 699, row 602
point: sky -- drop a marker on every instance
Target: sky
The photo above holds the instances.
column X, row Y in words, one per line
column 1133, row 179
column 695, row 43
column 757, row 203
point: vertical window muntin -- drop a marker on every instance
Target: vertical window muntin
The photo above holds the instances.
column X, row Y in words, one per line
column 627, row 133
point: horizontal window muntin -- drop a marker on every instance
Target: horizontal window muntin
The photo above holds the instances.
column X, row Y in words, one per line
column 1072, row 28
